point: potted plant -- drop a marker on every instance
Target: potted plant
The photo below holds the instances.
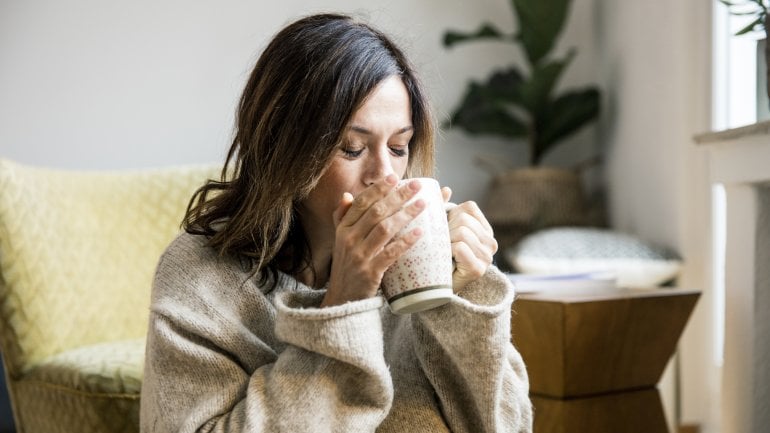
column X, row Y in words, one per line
column 522, row 105
column 758, row 10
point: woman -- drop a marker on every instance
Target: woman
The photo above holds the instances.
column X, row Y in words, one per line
column 265, row 313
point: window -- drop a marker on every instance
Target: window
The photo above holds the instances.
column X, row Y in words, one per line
column 735, row 71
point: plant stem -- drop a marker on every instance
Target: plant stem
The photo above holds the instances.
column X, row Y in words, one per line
column 532, row 139
column 767, row 54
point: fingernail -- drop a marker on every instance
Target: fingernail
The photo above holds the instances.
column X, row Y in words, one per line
column 417, row 231
column 414, row 185
column 391, row 179
column 419, row 203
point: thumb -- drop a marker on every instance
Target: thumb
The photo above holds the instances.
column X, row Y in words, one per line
column 342, row 207
column 446, row 192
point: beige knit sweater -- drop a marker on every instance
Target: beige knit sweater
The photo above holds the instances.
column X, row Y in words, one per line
column 226, row 355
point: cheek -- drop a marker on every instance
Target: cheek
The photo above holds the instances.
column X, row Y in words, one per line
column 329, row 190
column 400, row 166
column 318, row 208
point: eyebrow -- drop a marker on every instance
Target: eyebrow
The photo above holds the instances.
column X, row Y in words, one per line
column 362, row 130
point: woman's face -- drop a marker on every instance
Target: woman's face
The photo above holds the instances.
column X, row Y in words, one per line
column 375, row 144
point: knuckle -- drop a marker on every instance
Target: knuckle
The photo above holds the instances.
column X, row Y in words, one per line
column 462, row 248
column 347, row 241
column 350, row 243
column 471, row 206
column 477, row 271
column 487, row 256
column 465, row 232
column 378, row 210
column 390, row 254
column 358, row 256
column 360, row 203
column 493, row 245
column 414, row 210
column 465, row 219
column 383, row 228
column 383, row 188
column 405, row 192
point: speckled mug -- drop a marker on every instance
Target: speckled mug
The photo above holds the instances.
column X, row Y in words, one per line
column 422, row 277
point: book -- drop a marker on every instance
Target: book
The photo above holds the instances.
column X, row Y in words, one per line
column 564, row 283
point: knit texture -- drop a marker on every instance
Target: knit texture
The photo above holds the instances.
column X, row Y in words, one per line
column 227, row 355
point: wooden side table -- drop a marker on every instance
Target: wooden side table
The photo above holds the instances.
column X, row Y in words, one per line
column 594, row 358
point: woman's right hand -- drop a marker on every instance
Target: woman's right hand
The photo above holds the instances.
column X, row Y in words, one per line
column 365, row 238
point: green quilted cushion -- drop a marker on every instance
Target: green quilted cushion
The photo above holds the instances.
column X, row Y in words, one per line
column 106, row 368
column 49, row 408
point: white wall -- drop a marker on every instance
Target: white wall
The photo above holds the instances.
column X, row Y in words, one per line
column 655, row 61
column 95, row 84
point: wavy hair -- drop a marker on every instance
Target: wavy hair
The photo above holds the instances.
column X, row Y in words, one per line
column 290, row 121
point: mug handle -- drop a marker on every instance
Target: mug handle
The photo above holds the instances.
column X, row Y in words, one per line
column 448, row 206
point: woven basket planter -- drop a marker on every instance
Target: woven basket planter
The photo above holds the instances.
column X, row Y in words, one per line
column 523, row 200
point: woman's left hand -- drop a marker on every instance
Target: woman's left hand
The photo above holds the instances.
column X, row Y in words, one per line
column 473, row 241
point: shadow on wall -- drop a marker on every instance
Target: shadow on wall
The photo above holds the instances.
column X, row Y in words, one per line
column 6, row 417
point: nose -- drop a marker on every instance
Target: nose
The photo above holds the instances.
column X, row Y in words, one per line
column 378, row 165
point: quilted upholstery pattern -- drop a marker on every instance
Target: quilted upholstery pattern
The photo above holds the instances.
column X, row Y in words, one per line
column 77, row 254
column 47, row 408
column 114, row 367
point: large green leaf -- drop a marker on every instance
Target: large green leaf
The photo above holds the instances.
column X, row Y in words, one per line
column 486, row 31
column 536, row 91
column 505, row 85
column 483, row 112
column 540, row 22
column 565, row 115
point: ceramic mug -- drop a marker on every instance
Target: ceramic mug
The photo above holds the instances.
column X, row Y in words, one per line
column 422, row 277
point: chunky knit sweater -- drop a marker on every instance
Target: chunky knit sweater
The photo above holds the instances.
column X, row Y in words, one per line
column 225, row 354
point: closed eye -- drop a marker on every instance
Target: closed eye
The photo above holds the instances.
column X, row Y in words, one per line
column 351, row 153
column 399, row 151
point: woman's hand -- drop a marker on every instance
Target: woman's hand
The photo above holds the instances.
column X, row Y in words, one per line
column 365, row 238
column 473, row 242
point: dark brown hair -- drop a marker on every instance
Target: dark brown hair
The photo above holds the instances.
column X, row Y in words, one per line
column 291, row 118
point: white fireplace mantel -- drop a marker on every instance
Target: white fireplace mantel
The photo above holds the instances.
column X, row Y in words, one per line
column 739, row 160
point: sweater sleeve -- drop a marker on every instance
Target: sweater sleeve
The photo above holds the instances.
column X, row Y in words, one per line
column 211, row 367
column 465, row 350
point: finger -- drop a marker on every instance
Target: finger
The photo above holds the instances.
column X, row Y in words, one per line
column 363, row 201
column 446, row 192
column 463, row 219
column 472, row 230
column 388, row 206
column 388, row 228
column 483, row 248
column 342, row 207
column 395, row 249
column 463, row 226
column 471, row 208
column 469, row 267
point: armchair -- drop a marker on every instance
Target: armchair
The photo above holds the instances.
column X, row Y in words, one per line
column 78, row 250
